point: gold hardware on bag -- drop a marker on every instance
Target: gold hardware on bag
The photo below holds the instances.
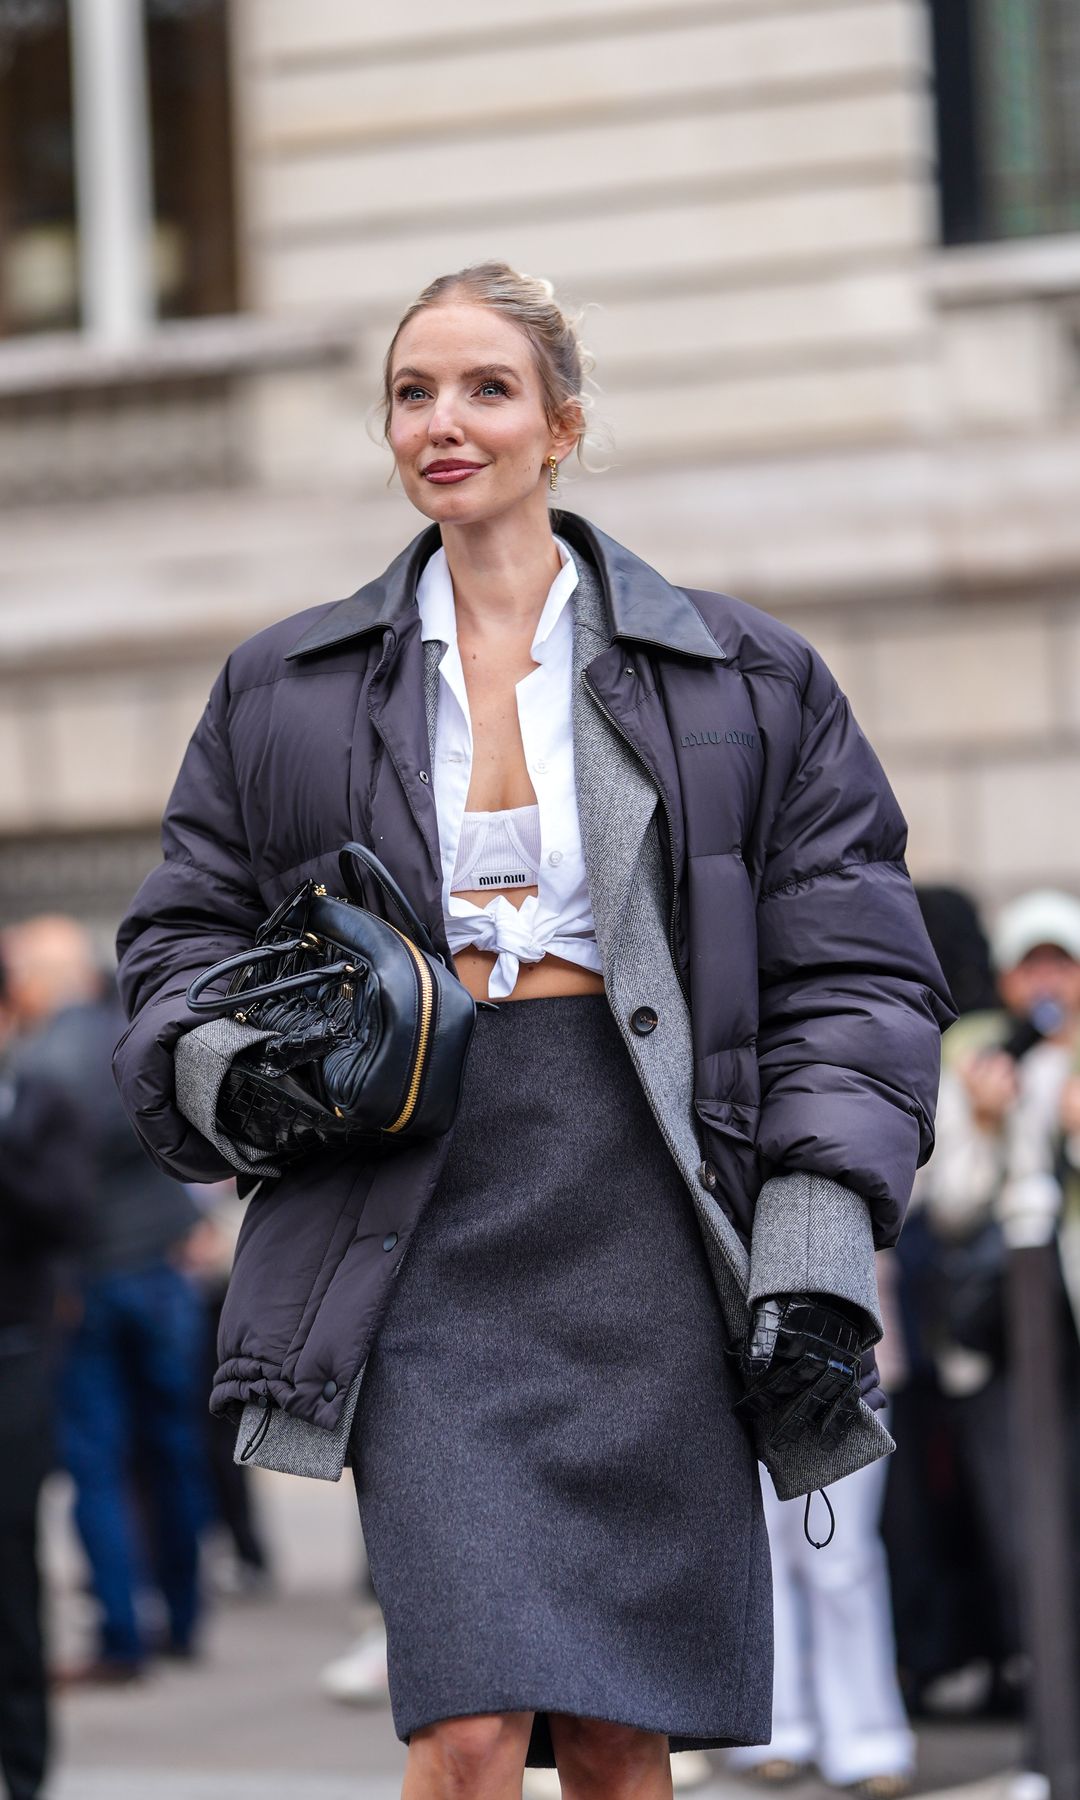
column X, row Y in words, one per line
column 427, row 997
column 241, row 1018
column 321, row 891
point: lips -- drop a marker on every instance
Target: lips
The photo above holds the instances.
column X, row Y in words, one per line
column 450, row 474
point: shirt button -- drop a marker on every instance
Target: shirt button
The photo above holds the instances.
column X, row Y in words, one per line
column 555, row 858
column 329, row 1390
column 389, row 1240
column 707, row 1176
column 643, row 1020
column 540, row 767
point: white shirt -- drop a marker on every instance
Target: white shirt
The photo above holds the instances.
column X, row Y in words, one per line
column 558, row 918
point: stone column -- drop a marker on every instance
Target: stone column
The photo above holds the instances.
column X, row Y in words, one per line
column 113, row 168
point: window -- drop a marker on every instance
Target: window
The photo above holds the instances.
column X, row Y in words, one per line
column 54, row 161
column 39, row 282
column 1008, row 117
column 188, row 76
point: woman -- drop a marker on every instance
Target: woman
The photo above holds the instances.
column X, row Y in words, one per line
column 648, row 814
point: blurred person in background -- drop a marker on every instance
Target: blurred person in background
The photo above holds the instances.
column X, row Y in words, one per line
column 1003, row 1174
column 131, row 1374
column 44, row 1217
column 837, row 1704
column 946, row 1617
column 244, row 1570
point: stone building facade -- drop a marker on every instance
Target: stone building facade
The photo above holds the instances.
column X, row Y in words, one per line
column 812, row 399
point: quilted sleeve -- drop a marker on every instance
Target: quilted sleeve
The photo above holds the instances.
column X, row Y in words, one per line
column 852, row 1000
column 199, row 905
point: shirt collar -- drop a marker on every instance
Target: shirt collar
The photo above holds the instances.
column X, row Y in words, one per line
column 639, row 606
column 435, row 598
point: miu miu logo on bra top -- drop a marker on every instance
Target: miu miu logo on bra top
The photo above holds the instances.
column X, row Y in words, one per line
column 521, row 879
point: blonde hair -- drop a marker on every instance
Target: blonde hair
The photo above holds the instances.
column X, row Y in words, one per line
column 563, row 362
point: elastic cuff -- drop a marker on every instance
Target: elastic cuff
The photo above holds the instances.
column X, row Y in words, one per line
column 272, row 1439
column 814, row 1236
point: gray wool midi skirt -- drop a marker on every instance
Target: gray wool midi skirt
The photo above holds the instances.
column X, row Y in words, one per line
column 561, row 1513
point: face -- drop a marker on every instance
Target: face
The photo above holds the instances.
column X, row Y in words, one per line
column 466, row 391
column 1046, row 973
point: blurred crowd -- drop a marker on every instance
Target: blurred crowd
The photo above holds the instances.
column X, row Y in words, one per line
column 112, row 1278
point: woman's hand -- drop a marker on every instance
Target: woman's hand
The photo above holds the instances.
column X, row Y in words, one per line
column 800, row 1362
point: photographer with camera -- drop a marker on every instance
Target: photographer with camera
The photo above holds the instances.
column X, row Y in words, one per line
column 1004, row 1178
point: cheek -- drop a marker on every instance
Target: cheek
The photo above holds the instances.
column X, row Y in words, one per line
column 1011, row 987
column 511, row 441
column 402, row 432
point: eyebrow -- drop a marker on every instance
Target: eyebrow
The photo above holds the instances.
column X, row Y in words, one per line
column 469, row 374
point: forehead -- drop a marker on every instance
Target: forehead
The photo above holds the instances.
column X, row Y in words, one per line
column 1046, row 952
column 448, row 339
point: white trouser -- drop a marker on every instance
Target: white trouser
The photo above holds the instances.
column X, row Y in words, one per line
column 836, row 1698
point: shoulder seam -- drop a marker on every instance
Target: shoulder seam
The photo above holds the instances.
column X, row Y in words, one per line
column 253, row 687
column 794, row 882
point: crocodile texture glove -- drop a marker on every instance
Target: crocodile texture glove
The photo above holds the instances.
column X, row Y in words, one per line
column 800, row 1366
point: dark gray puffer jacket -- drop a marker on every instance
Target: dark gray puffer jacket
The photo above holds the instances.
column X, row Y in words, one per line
column 745, row 861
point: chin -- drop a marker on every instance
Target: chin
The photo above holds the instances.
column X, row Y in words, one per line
column 452, row 506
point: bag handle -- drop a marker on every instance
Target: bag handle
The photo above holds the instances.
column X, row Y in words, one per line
column 349, row 855
column 270, row 989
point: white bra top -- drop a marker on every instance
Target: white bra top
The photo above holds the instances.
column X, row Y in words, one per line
column 526, row 846
column 498, row 850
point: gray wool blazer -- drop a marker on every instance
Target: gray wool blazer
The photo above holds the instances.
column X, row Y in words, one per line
column 810, row 1233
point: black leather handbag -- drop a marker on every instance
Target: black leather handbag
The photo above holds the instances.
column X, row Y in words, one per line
column 368, row 1030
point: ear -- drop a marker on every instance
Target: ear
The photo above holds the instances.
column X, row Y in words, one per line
column 568, row 429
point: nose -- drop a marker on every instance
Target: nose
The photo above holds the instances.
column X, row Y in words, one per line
column 443, row 423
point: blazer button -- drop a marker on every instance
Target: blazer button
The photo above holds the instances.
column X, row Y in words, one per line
column 329, row 1390
column 643, row 1020
column 707, row 1176
column 389, row 1240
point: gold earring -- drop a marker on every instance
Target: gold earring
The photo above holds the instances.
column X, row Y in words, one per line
column 553, row 476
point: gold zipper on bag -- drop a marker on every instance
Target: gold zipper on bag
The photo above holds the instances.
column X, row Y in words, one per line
column 427, row 1001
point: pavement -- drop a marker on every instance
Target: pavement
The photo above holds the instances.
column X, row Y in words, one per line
column 247, row 1720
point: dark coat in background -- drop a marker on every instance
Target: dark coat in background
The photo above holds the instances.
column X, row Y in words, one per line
column 46, row 1194
column 139, row 1215
column 815, row 999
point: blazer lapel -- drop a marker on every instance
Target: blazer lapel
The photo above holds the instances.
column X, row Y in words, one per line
column 616, row 798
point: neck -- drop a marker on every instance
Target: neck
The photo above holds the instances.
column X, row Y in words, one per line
column 502, row 568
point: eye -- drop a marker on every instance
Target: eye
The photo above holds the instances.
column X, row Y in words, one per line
column 493, row 382
column 406, row 388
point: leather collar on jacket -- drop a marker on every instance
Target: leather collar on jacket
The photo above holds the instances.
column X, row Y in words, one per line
column 642, row 606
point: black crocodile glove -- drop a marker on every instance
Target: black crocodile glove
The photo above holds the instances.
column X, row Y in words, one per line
column 800, row 1365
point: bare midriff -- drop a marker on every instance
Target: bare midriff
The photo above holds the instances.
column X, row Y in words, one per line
column 543, row 980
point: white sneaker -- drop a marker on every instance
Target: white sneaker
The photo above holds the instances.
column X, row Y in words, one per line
column 358, row 1677
column 541, row 1784
column 689, row 1769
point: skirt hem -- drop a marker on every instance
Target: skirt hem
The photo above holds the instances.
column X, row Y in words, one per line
column 540, row 1750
